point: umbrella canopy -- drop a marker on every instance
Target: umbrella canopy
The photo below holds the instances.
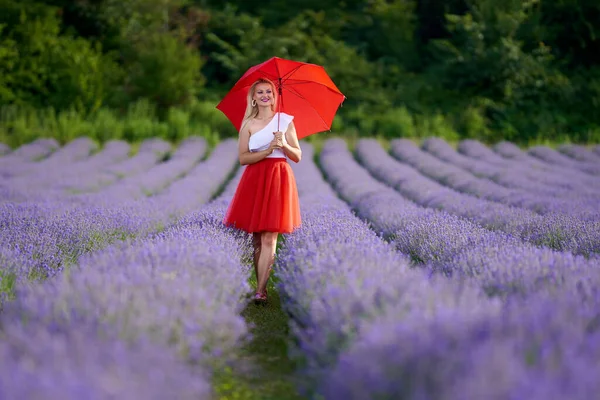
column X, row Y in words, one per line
column 305, row 91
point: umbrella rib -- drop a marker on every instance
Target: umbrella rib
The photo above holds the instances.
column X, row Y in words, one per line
column 287, row 76
column 277, row 68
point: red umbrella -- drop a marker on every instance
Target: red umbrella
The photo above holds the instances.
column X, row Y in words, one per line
column 305, row 91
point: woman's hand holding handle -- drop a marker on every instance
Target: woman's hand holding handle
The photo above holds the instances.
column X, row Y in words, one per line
column 277, row 142
column 279, row 137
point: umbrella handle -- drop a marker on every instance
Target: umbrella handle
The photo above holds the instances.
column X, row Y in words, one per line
column 279, row 101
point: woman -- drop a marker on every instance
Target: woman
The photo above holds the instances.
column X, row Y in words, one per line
column 266, row 200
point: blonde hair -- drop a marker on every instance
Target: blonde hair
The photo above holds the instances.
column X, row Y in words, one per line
column 252, row 111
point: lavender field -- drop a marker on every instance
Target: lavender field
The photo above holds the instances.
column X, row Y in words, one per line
column 421, row 271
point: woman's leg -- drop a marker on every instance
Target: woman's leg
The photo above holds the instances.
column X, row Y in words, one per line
column 257, row 247
column 266, row 259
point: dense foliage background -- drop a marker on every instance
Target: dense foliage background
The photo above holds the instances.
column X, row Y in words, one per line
column 514, row 70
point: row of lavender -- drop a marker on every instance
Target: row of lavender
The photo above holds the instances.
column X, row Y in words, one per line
column 326, row 337
column 371, row 326
column 508, row 155
column 429, row 181
column 127, row 308
column 42, row 147
column 338, row 276
column 47, row 226
column 586, row 161
column 574, row 286
column 575, row 193
column 581, row 153
column 447, row 242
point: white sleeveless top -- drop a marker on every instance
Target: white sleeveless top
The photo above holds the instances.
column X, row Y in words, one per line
column 260, row 140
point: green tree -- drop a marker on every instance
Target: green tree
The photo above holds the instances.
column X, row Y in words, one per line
column 571, row 28
column 9, row 57
column 485, row 57
column 163, row 70
column 159, row 65
column 50, row 68
column 247, row 42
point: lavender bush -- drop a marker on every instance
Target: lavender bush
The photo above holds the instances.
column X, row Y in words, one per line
column 554, row 180
column 182, row 287
column 512, row 152
column 81, row 172
column 557, row 230
column 177, row 291
column 337, row 276
column 77, row 149
column 465, row 300
column 155, row 179
column 54, row 233
column 523, row 191
column 551, row 156
column 539, row 349
column 530, row 168
column 579, row 152
column 526, row 350
column 40, row 361
column 150, row 153
column 479, row 151
column 444, row 242
column 20, row 159
column 76, row 174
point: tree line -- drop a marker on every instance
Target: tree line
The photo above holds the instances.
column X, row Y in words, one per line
column 520, row 70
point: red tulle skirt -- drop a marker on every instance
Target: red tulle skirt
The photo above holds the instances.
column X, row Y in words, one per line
column 266, row 199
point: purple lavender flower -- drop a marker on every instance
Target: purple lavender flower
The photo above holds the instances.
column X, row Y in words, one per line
column 51, row 362
column 51, row 229
column 336, row 275
column 22, row 158
column 533, row 192
column 514, row 153
column 179, row 291
column 445, row 351
column 539, row 349
column 579, row 152
column 554, row 157
column 554, row 229
column 536, row 171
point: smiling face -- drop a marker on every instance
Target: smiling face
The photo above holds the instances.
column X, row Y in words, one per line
column 264, row 95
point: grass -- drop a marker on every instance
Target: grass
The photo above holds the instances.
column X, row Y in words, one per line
column 268, row 374
column 271, row 376
column 7, row 285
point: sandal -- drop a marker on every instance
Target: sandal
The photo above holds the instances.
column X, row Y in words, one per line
column 260, row 297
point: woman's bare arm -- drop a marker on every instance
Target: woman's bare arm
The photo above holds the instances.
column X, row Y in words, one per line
column 249, row 157
column 292, row 147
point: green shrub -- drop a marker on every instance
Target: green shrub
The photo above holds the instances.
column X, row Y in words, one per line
column 436, row 125
column 69, row 125
column 178, row 122
column 106, row 126
column 206, row 113
column 51, row 68
column 165, row 71
column 396, row 122
column 472, row 123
